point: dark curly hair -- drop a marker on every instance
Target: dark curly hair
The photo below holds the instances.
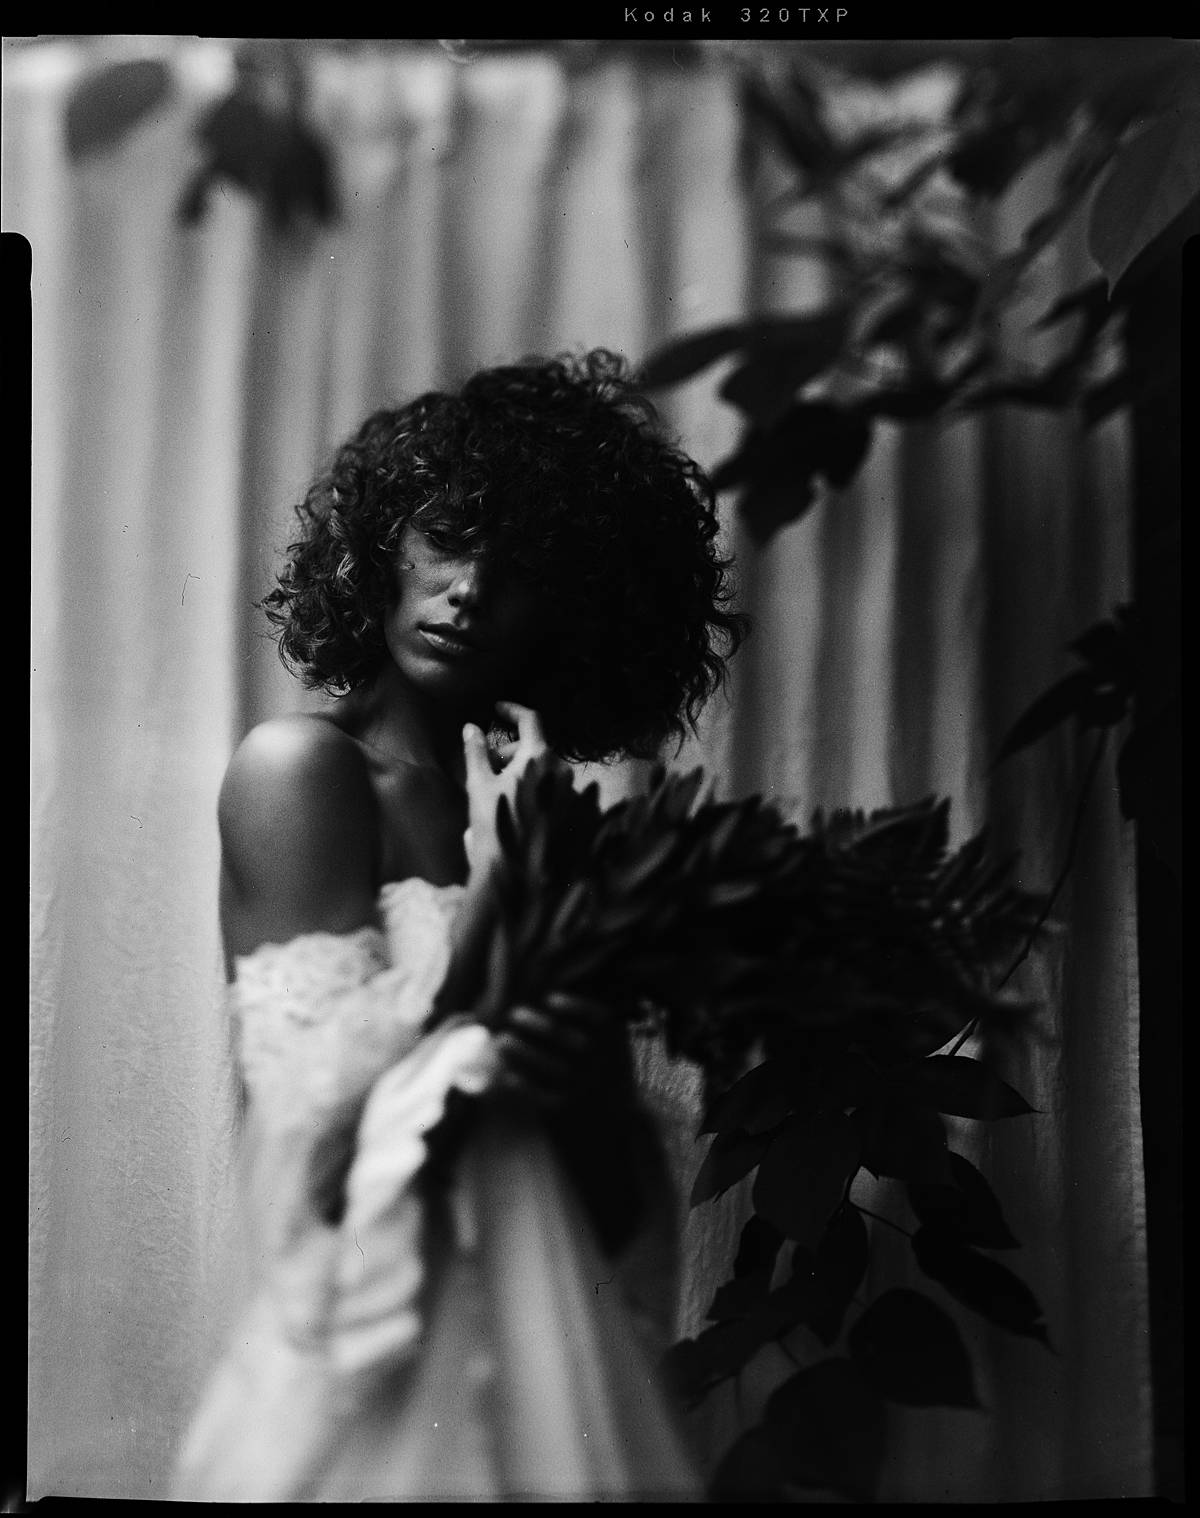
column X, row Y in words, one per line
column 556, row 467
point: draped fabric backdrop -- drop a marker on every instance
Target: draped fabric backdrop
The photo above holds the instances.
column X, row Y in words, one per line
column 186, row 382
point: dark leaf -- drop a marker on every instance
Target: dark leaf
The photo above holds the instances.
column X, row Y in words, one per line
column 961, row 1086
column 803, row 1175
column 1154, row 178
column 270, row 151
column 682, row 357
column 758, row 1246
column 968, row 1209
column 105, row 105
column 759, row 1466
column 836, row 1422
column 756, row 1102
column 907, row 1143
column 694, row 1366
column 1164, row 248
column 794, row 118
column 1105, row 646
column 845, row 446
column 980, row 1283
column 730, row 1157
column 837, row 1271
column 779, row 463
column 1088, row 159
column 767, row 507
column 741, row 1296
column 911, row 1351
column 575, row 904
column 1063, row 700
column 765, row 386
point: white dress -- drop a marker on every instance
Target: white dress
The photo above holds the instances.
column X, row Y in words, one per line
column 501, row 1357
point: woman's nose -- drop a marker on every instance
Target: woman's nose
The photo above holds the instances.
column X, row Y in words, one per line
column 467, row 583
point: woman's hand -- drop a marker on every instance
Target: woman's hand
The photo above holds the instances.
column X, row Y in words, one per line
column 569, row 1049
column 488, row 779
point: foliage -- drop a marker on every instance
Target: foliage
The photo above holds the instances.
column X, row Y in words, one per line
column 256, row 137
column 912, row 329
column 909, row 330
column 816, row 978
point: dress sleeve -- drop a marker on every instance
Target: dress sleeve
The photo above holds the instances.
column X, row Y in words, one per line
column 335, row 1054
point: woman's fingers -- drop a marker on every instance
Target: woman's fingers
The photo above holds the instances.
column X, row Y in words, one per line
column 538, row 1073
column 548, row 1031
column 529, row 724
column 583, row 1009
column 551, row 1051
column 479, row 769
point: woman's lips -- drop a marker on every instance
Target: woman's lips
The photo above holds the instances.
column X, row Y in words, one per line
column 449, row 640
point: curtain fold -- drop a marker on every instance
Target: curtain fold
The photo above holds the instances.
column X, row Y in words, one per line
column 187, row 382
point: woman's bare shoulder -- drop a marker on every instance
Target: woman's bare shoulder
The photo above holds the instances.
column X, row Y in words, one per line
column 299, row 828
column 287, row 765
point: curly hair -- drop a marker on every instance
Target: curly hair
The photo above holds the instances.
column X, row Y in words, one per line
column 555, row 466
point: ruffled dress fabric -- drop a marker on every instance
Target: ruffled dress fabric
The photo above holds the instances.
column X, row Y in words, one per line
column 500, row 1356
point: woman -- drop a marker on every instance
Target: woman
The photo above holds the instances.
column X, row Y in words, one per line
column 527, row 556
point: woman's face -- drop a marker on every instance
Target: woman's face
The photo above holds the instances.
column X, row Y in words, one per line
column 458, row 626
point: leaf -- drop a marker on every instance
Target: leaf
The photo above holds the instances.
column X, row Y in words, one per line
column 685, row 356
column 803, row 1175
column 1064, row 699
column 1153, row 180
column 758, row 1246
column 835, row 1421
column 837, row 1271
column 570, row 910
column 266, row 147
column 1167, row 246
column 1106, row 645
column 758, row 1466
column 907, row 1143
column 756, row 1102
column 961, row 1086
column 694, row 1366
column 765, row 386
column 740, row 1297
column 730, row 1157
column 910, row 1351
column 105, row 105
column 767, row 507
column 778, row 464
column 794, row 117
column 980, row 1283
column 968, row 1208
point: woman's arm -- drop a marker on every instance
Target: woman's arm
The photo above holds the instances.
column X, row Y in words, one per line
column 299, row 836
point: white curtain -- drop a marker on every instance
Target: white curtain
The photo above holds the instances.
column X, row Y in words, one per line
column 186, row 381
